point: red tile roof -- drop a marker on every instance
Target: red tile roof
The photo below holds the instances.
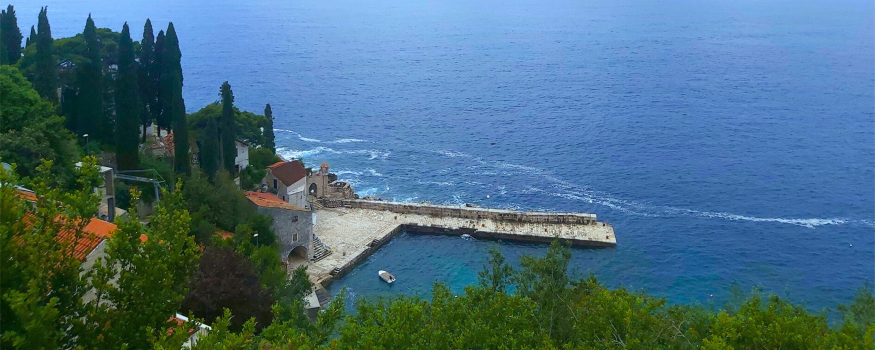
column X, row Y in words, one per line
column 288, row 172
column 268, row 200
column 94, row 232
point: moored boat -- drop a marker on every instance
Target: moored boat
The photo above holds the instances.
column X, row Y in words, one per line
column 388, row 277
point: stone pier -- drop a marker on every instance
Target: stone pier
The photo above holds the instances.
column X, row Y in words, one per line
column 354, row 229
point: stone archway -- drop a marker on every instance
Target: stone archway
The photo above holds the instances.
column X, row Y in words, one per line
column 297, row 257
column 300, row 252
column 314, row 190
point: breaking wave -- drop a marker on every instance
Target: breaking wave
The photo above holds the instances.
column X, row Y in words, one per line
column 289, row 153
column 308, row 139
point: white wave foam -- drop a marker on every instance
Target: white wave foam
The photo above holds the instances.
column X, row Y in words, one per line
column 296, row 153
column 347, row 141
column 453, row 154
column 309, row 139
column 348, row 172
column 374, row 172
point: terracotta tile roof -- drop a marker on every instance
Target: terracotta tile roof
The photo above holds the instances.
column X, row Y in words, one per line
column 288, row 172
column 94, row 232
column 268, row 200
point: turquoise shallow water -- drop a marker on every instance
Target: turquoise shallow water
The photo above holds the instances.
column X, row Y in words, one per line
column 727, row 141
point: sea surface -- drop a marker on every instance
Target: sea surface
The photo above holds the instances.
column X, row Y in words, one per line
column 726, row 141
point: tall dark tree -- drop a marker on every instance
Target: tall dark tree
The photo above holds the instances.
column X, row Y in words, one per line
column 90, row 115
column 31, row 38
column 46, row 76
column 268, row 130
column 226, row 128
column 147, row 79
column 127, row 103
column 162, row 112
column 3, row 55
column 209, row 156
column 227, row 280
column 11, row 35
column 172, row 78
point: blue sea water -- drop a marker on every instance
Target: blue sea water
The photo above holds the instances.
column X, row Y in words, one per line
column 726, row 141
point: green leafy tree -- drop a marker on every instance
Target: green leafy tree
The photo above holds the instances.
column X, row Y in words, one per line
column 142, row 279
column 30, row 131
column 545, row 280
column 269, row 139
column 46, row 76
column 40, row 288
column 148, row 75
column 497, row 273
column 226, row 128
column 11, row 35
column 90, row 115
column 209, row 155
column 172, row 88
column 127, row 104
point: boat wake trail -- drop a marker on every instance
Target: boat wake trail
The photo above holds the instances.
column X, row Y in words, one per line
column 568, row 190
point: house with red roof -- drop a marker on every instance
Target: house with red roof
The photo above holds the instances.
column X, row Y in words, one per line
column 288, row 180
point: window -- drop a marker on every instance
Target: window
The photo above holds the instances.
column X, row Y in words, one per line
column 295, row 218
column 274, row 183
column 295, row 237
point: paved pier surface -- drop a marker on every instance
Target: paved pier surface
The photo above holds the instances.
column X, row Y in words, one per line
column 355, row 233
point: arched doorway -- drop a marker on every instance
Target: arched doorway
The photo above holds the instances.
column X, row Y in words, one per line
column 297, row 256
column 313, row 189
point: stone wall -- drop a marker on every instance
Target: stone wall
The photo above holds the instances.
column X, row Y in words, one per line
column 472, row 213
column 286, row 223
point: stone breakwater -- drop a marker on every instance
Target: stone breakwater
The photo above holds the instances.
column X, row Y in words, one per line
column 354, row 229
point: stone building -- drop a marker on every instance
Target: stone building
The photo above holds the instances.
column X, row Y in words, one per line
column 293, row 226
column 324, row 185
column 288, row 180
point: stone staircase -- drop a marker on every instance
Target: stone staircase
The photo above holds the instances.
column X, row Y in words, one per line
column 323, row 295
column 320, row 250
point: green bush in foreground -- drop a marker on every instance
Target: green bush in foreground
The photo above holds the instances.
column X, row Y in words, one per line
column 552, row 311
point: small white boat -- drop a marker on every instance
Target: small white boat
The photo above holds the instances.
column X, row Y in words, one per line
column 467, row 237
column 388, row 277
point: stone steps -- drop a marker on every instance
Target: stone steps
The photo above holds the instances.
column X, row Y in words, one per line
column 320, row 250
column 323, row 295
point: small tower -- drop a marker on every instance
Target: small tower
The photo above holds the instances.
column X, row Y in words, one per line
column 323, row 169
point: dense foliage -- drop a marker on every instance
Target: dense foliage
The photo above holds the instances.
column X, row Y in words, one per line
column 31, row 131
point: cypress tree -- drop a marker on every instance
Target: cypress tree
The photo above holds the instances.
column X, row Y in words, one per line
column 162, row 109
column 172, row 78
column 91, row 118
column 31, row 38
column 46, row 77
column 226, row 126
column 146, row 75
column 11, row 35
column 209, row 157
column 268, row 130
column 127, row 103
column 3, row 55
